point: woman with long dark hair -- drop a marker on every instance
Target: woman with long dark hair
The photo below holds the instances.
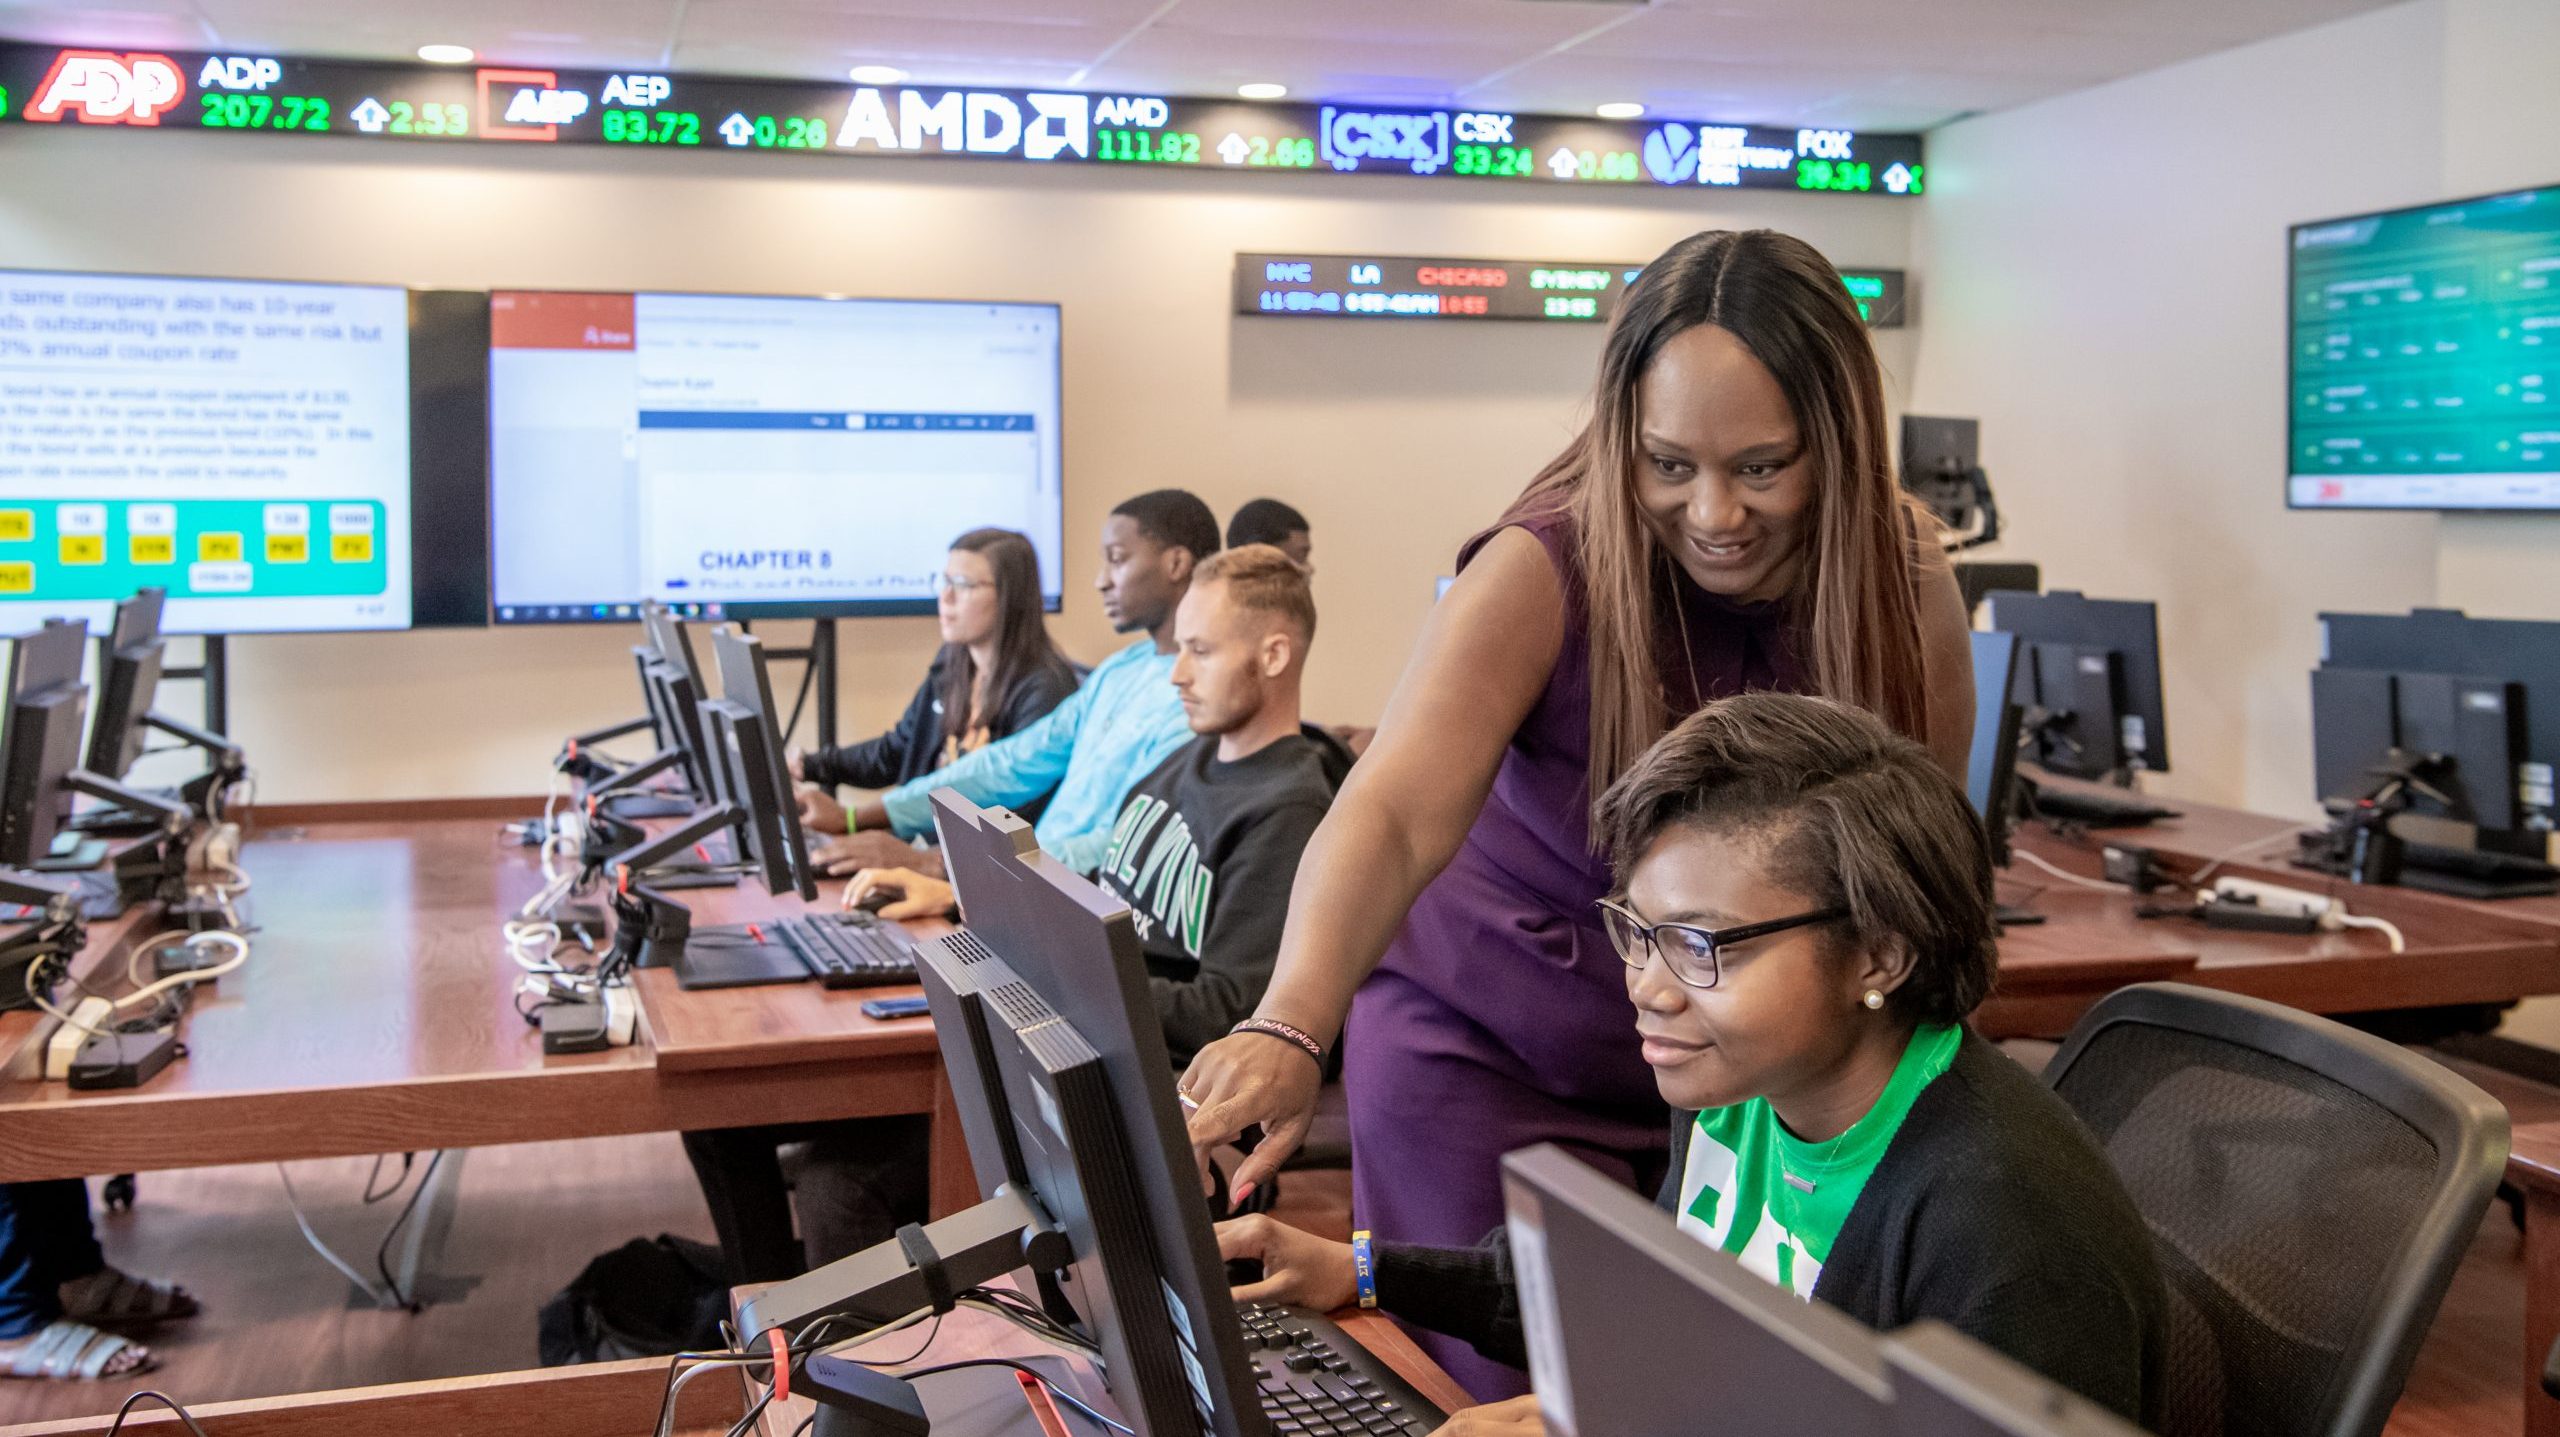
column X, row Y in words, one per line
column 1726, row 521
column 996, row 674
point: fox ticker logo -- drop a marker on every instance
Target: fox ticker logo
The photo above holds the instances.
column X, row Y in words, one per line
column 98, row 87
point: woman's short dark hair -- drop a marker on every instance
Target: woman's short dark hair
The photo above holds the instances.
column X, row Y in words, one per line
column 1855, row 816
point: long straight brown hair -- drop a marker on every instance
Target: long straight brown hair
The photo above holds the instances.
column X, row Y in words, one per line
column 1853, row 608
column 1023, row 647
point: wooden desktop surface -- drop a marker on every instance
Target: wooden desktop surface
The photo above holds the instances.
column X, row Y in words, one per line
column 376, row 1013
column 2095, row 942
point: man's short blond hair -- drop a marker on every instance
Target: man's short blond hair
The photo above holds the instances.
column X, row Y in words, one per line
column 1261, row 578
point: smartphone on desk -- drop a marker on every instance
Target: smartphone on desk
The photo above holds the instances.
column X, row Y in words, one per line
column 884, row 1008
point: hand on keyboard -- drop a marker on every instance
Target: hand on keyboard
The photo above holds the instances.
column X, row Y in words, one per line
column 1518, row 1417
column 1299, row 1269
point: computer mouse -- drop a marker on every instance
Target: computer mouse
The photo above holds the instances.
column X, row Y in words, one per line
column 875, row 900
column 1243, row 1270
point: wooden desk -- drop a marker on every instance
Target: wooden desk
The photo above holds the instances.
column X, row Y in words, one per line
column 377, row 1013
column 2093, row 943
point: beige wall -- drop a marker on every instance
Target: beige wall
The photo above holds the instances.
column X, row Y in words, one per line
column 2106, row 276
column 1396, row 441
column 2501, row 131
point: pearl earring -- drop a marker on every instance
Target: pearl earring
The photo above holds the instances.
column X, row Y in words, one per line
column 1874, row 998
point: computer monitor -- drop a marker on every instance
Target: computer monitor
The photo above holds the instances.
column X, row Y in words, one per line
column 42, row 743
column 2089, row 680
column 1949, row 448
column 1977, row 579
column 2474, row 704
column 1945, row 1384
column 1637, row 1329
column 1942, row 468
column 128, row 679
column 1065, row 1091
column 743, row 732
column 672, row 677
column 1991, row 767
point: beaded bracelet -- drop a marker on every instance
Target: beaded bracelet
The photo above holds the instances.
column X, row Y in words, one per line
column 1364, row 1268
column 1274, row 1028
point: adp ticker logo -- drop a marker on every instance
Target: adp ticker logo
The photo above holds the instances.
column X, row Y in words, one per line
column 1351, row 138
column 1671, row 153
column 99, row 87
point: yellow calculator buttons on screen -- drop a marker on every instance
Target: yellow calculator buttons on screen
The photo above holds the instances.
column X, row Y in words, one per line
column 350, row 548
column 18, row 578
column 155, row 549
column 288, row 548
column 17, row 525
column 84, row 548
column 218, row 548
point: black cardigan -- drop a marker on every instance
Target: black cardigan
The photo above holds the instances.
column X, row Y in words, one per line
column 1992, row 1210
column 913, row 748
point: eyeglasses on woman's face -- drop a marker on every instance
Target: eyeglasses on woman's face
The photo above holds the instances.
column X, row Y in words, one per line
column 1692, row 952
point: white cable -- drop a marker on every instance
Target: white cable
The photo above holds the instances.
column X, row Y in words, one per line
column 2383, row 926
column 212, row 937
column 2066, row 875
column 36, row 996
column 363, row 1284
column 133, row 960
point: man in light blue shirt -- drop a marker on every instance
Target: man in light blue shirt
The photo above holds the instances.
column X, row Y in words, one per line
column 1113, row 730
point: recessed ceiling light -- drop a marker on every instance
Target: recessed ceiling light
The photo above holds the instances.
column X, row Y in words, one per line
column 1263, row 90
column 447, row 54
column 876, row 74
column 1620, row 110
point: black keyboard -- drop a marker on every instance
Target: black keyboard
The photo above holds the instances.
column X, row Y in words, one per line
column 2097, row 810
column 851, row 950
column 1315, row 1380
column 2476, row 873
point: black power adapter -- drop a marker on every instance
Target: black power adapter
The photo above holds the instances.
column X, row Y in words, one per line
column 122, row 1060
column 854, row 1401
column 2131, row 865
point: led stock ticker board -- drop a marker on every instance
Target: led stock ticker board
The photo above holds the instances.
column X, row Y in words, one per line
column 1336, row 286
column 273, row 95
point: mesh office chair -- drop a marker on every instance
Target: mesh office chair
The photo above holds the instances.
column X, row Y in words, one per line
column 2310, row 1190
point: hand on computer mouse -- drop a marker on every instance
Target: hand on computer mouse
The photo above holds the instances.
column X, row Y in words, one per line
column 897, row 894
column 1299, row 1269
column 1516, row 1417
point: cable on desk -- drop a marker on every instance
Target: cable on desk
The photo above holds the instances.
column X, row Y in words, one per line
column 2383, row 926
column 165, row 1400
column 1054, row 1390
column 2065, row 874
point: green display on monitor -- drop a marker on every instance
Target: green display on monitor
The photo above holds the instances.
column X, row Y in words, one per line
column 2425, row 357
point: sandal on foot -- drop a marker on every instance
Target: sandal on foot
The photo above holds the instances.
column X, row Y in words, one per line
column 71, row 1351
column 112, row 1299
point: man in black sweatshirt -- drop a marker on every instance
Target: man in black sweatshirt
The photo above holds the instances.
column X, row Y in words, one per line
column 1206, row 844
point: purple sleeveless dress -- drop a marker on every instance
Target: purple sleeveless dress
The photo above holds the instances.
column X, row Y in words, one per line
column 1499, row 1018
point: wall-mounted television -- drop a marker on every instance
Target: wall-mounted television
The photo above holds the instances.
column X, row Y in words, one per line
column 279, row 457
column 744, row 456
column 2424, row 354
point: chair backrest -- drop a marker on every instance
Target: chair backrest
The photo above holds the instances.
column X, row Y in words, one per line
column 2310, row 1190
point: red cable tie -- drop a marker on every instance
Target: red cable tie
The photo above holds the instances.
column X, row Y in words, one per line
column 702, row 853
column 781, row 1364
column 1045, row 1411
column 756, row 931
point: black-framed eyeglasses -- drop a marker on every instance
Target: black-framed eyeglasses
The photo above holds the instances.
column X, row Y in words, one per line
column 1691, row 951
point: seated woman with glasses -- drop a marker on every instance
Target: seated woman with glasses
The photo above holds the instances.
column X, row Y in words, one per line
column 1803, row 903
column 997, row 674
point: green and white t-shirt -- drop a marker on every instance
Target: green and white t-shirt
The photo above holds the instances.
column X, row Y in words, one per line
column 1735, row 1191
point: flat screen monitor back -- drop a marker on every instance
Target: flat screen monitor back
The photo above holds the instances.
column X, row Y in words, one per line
column 1991, row 766
column 1638, row 1329
column 1934, row 445
column 749, row 747
column 673, row 680
column 1074, row 947
column 46, row 702
column 2082, row 655
column 1945, row 1384
column 128, row 684
column 2522, row 652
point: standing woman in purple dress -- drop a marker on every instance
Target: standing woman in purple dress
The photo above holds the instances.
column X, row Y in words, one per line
column 1726, row 521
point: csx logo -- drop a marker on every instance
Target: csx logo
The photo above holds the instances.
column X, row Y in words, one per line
column 108, row 89
column 1478, row 128
column 1349, row 137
